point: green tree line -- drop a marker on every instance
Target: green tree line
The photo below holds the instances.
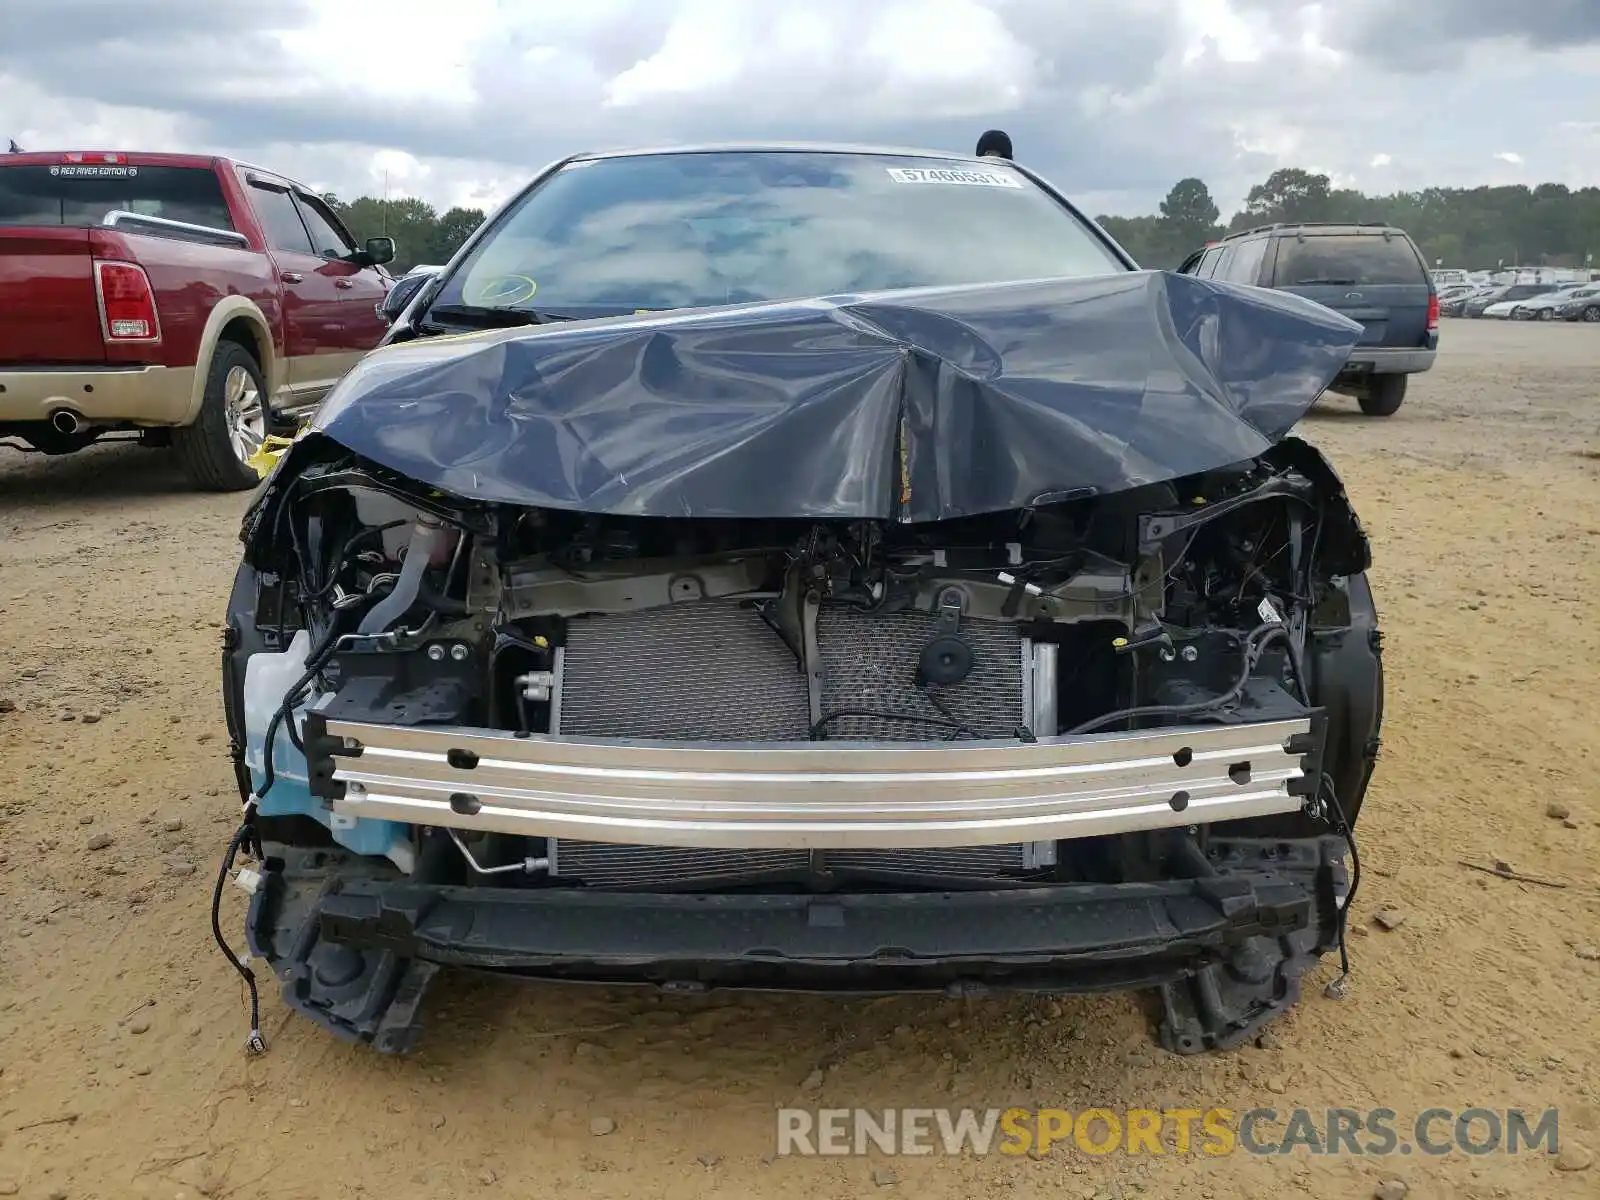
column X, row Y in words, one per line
column 1480, row 228
column 422, row 234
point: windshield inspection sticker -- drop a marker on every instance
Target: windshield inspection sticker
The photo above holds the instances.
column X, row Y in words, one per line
column 946, row 175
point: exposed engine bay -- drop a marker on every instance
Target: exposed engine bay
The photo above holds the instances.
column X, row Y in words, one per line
column 487, row 714
column 1192, row 603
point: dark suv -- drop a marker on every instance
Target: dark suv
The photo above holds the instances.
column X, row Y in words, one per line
column 1373, row 274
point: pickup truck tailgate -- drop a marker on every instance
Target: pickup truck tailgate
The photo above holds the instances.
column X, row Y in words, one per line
column 49, row 313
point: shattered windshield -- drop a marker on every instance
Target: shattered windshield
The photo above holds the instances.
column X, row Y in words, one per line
column 684, row 230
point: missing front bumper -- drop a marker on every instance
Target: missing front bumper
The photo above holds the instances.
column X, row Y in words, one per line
column 813, row 795
column 356, row 951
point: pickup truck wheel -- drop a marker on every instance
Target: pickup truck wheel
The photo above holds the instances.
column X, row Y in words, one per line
column 216, row 449
column 1383, row 395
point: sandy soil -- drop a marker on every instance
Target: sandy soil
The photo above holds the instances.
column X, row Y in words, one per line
column 121, row 1071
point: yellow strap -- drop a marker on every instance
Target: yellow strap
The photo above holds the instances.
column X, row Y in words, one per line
column 266, row 457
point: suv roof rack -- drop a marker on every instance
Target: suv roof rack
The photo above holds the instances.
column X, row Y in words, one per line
column 1308, row 225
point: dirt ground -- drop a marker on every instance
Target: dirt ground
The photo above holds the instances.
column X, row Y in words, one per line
column 121, row 1064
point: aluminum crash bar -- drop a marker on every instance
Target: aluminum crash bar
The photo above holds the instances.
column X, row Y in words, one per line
column 818, row 795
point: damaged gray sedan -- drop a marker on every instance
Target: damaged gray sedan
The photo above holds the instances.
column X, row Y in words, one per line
column 807, row 568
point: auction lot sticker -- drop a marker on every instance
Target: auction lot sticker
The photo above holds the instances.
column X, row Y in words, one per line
column 948, row 175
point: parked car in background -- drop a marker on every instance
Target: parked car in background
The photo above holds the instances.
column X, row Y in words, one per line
column 1479, row 304
column 1373, row 274
column 1456, row 303
column 1582, row 305
column 1540, row 308
column 187, row 300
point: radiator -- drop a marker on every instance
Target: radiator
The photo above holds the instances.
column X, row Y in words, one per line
column 715, row 671
column 708, row 671
column 870, row 662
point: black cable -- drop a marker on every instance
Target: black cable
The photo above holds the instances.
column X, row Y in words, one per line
column 1345, row 829
column 314, row 663
column 958, row 726
column 1264, row 632
column 255, row 1044
column 1194, row 532
column 295, row 739
column 912, row 718
column 1297, row 664
column 302, row 560
column 246, row 833
column 440, row 603
column 1166, row 576
column 285, row 713
column 277, row 528
column 1309, row 600
column 343, row 556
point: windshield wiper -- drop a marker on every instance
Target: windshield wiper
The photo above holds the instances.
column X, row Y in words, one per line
column 1330, row 282
column 487, row 316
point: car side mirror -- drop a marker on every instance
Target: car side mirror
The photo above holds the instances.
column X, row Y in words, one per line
column 379, row 250
column 401, row 295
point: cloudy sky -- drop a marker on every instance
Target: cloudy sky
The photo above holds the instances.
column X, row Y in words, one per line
column 459, row 101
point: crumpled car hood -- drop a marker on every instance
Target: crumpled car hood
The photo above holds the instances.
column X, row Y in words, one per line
column 910, row 406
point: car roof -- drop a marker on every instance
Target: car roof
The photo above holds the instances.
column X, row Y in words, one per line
column 1319, row 229
column 785, row 148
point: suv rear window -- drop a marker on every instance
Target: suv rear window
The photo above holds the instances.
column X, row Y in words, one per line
column 44, row 195
column 1346, row 258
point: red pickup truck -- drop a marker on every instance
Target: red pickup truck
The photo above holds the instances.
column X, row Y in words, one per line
column 185, row 300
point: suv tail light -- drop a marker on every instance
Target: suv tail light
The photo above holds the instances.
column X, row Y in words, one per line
column 127, row 303
column 1433, row 312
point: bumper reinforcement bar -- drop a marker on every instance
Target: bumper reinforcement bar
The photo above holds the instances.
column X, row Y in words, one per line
column 812, row 795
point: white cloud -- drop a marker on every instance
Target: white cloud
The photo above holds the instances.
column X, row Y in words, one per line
column 1114, row 99
column 705, row 52
column 32, row 116
column 1214, row 28
column 896, row 60
column 374, row 50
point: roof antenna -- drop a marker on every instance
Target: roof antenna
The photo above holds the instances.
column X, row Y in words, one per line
column 995, row 143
